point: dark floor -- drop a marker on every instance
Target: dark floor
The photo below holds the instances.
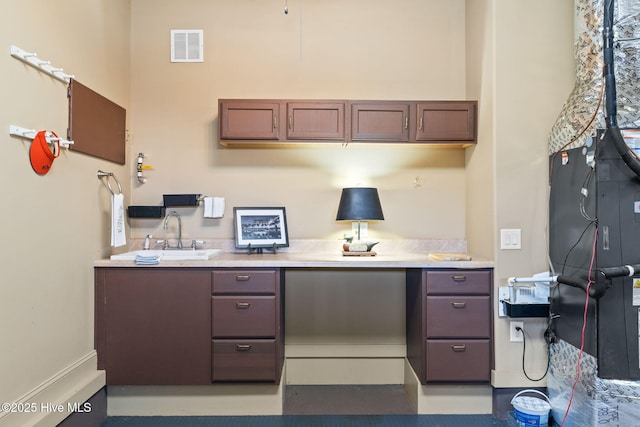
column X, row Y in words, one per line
column 327, row 406
column 312, row 421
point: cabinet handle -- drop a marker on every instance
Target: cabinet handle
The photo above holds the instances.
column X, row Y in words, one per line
column 459, row 347
column 242, row 277
column 243, row 347
column 420, row 126
column 458, row 304
column 290, row 122
column 275, row 121
column 406, row 122
column 243, row 305
column 459, row 278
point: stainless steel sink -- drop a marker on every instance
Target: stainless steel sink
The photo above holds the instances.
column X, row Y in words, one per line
column 171, row 254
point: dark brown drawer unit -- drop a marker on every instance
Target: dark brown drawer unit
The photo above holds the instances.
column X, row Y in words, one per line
column 449, row 324
column 458, row 360
column 244, row 316
column 245, row 360
column 247, row 325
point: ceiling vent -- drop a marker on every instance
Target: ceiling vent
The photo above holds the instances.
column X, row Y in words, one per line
column 186, row 46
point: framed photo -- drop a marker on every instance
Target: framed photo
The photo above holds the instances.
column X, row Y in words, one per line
column 260, row 227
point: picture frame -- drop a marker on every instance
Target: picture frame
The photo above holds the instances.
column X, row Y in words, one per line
column 260, row 227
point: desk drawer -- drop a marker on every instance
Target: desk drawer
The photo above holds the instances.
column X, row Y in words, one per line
column 244, row 360
column 458, row 317
column 243, row 316
column 244, row 281
column 458, row 361
column 458, row 282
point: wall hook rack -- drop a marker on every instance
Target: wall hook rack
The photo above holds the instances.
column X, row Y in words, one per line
column 31, row 133
column 32, row 59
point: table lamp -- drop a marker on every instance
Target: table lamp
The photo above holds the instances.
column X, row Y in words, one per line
column 359, row 204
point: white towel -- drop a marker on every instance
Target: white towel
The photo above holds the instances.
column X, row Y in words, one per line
column 213, row 207
column 118, row 236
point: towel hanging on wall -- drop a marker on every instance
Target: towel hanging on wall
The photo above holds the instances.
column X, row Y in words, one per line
column 213, row 207
column 118, row 237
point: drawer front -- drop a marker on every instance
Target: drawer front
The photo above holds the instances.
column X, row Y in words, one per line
column 243, row 316
column 458, row 317
column 245, row 360
column 458, row 282
column 244, row 281
column 458, row 361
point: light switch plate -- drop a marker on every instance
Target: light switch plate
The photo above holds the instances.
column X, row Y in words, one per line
column 510, row 238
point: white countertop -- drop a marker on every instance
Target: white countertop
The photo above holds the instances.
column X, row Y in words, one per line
column 309, row 260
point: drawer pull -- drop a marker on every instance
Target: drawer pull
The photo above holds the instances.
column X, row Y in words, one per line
column 460, row 278
column 242, row 277
column 243, row 347
column 458, row 304
column 243, row 305
column 459, row 347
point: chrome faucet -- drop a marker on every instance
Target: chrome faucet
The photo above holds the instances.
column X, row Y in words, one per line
column 165, row 227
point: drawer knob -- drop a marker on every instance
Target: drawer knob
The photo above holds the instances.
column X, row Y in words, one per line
column 243, row 305
column 459, row 347
column 242, row 277
column 459, row 278
column 243, row 347
column 458, row 304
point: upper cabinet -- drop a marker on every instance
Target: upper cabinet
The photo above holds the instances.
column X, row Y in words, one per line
column 249, row 120
column 315, row 120
column 380, row 121
column 262, row 122
column 446, row 121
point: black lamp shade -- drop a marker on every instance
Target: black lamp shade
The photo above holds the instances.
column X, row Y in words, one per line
column 359, row 203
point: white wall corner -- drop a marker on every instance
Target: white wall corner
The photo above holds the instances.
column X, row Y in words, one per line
column 53, row 400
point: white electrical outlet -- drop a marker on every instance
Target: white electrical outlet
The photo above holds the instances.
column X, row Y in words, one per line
column 514, row 334
column 503, row 293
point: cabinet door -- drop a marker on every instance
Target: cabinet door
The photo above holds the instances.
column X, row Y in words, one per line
column 249, row 120
column 153, row 325
column 315, row 120
column 380, row 121
column 446, row 121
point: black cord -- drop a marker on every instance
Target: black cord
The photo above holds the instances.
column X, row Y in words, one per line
column 524, row 351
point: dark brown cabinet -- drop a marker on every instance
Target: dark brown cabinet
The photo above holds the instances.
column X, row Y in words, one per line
column 264, row 122
column 188, row 326
column 449, row 326
column 249, row 120
column 153, row 326
column 247, row 325
column 316, row 120
column 442, row 121
column 380, row 121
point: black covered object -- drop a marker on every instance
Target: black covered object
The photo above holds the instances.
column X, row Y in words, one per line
column 585, row 195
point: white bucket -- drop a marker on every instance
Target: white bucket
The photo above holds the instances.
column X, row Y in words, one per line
column 531, row 411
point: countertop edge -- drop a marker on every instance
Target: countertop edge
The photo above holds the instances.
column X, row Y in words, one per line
column 307, row 260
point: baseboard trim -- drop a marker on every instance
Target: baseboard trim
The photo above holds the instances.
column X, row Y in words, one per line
column 53, row 400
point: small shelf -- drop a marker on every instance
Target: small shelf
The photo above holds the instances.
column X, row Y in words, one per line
column 146, row 211
column 525, row 310
column 178, row 200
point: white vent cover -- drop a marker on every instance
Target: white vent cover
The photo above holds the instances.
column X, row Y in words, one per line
column 186, row 46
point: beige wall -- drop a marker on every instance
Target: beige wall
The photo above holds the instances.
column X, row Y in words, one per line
column 532, row 75
column 53, row 226
column 56, row 225
column 321, row 49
